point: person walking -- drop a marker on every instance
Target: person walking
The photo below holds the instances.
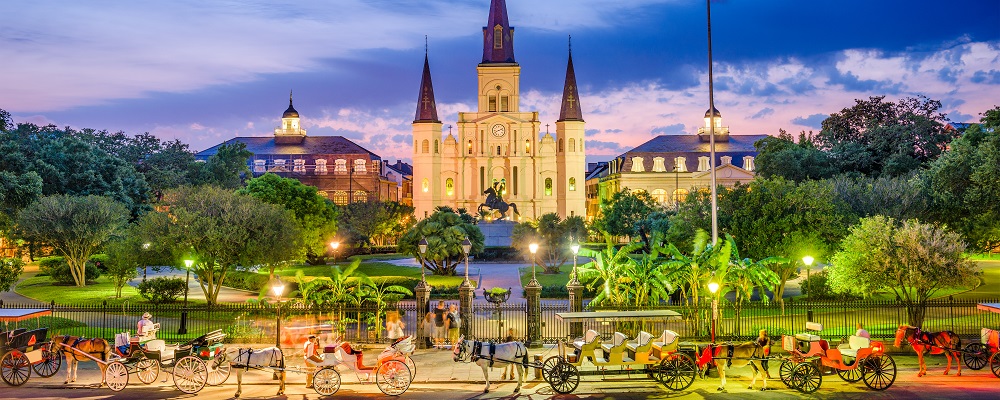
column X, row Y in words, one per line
column 440, row 325
column 310, row 354
column 454, row 323
column 765, row 344
column 393, row 326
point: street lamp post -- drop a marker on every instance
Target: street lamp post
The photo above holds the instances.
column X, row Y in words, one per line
column 808, row 261
column 145, row 259
column 713, row 287
column 711, row 130
column 187, row 285
column 335, row 246
column 533, row 248
column 466, row 248
column 575, row 247
column 422, row 245
column 277, row 287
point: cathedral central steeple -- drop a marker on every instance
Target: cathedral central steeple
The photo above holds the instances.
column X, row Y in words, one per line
column 570, row 110
column 426, row 108
column 498, row 36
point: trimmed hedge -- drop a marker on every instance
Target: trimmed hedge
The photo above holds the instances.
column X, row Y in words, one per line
column 161, row 290
column 498, row 253
column 57, row 268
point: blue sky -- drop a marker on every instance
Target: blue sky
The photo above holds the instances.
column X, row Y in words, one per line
column 204, row 72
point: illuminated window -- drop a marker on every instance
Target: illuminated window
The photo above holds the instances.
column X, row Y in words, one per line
column 548, row 186
column 321, row 167
column 299, row 165
column 340, row 166
column 360, row 165
column 425, row 146
column 660, row 195
column 703, row 163
column 449, row 187
column 504, row 103
column 492, row 103
column 498, row 37
column 748, row 163
column 527, row 146
column 658, row 165
column 680, row 164
column 680, row 195
column 572, row 145
column 258, row 165
column 279, row 163
column 425, row 185
column 360, row 195
column 572, row 184
column 340, row 197
column 637, row 165
column 470, row 146
column 322, row 194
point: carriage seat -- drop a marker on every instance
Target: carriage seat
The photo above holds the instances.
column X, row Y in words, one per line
column 807, row 337
column 588, row 339
column 665, row 344
column 855, row 343
column 640, row 348
column 990, row 338
column 613, row 351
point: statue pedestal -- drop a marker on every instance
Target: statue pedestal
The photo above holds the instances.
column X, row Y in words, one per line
column 497, row 233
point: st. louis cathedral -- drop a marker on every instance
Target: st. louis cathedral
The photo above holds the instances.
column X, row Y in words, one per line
column 499, row 147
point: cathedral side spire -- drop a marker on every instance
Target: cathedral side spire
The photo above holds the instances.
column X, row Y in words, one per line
column 498, row 36
column 570, row 110
column 426, row 108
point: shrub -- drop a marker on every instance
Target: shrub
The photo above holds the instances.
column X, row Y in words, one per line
column 161, row 290
column 58, row 269
column 10, row 270
column 817, row 287
column 245, row 280
column 99, row 262
column 497, row 253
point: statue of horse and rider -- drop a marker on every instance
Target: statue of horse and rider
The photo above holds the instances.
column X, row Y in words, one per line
column 494, row 201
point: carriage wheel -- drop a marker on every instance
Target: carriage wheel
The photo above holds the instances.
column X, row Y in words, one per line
column 51, row 361
column 116, row 376
column 880, row 372
column 565, row 378
column 326, row 381
column 852, row 375
column 995, row 364
column 411, row 366
column 785, row 372
column 549, row 369
column 677, row 371
column 15, row 368
column 190, row 374
column 147, row 370
column 393, row 377
column 976, row 356
column 806, row 377
column 218, row 370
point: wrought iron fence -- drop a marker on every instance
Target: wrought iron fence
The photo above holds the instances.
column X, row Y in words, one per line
column 494, row 322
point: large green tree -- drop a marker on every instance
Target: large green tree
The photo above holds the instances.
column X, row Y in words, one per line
column 75, row 226
column 554, row 236
column 912, row 260
column 316, row 216
column 444, row 230
column 375, row 223
column 782, row 157
column 224, row 231
column 965, row 184
column 10, row 271
column 227, row 168
column 623, row 213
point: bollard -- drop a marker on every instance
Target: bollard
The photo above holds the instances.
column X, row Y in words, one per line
column 536, row 374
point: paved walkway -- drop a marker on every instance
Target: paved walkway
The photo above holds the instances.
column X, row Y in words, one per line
column 10, row 297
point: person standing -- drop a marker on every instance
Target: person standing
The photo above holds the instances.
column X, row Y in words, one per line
column 454, row 323
column 427, row 329
column 765, row 344
column 312, row 358
column 440, row 324
column 393, row 326
column 861, row 331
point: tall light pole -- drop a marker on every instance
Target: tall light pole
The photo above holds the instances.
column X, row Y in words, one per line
column 145, row 259
column 713, row 287
column 533, row 248
column 187, row 285
column 277, row 287
column 466, row 248
column 422, row 246
column 808, row 261
column 575, row 247
column 335, row 246
column 711, row 129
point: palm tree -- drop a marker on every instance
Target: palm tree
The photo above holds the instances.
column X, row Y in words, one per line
column 605, row 270
column 381, row 294
column 342, row 286
column 743, row 275
column 695, row 271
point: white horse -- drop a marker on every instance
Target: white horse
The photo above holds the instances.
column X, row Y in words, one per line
column 485, row 354
column 245, row 359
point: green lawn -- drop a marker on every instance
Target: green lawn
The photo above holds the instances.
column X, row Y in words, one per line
column 42, row 288
column 560, row 279
column 985, row 257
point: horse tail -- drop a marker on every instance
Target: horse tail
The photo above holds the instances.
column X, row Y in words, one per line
column 514, row 207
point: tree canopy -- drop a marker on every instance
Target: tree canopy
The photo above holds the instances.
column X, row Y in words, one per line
column 444, row 230
column 375, row 223
column 782, row 157
column 621, row 215
column 316, row 216
column 554, row 236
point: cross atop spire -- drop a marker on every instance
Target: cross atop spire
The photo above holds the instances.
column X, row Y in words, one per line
column 570, row 110
column 426, row 108
column 498, row 36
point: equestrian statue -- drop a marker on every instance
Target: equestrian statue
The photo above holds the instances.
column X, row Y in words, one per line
column 495, row 202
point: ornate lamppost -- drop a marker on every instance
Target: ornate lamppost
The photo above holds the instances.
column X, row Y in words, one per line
column 277, row 287
column 575, row 247
column 335, row 246
column 466, row 248
column 533, row 248
column 713, row 287
column 187, row 285
column 808, row 261
column 422, row 246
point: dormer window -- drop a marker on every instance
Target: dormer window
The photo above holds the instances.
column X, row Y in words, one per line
column 258, row 165
column 360, row 166
column 299, row 165
column 748, row 163
column 340, row 165
column 498, row 37
column 658, row 165
column 726, row 160
column 321, row 167
column 637, row 165
column 703, row 164
column 680, row 164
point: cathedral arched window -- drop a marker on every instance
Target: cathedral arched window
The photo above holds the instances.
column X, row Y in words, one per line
column 572, row 184
column 449, row 187
column 504, row 103
column 560, row 145
column 498, row 37
column 498, row 151
column 425, row 146
column 435, row 146
column 548, row 186
column 572, row 145
column 491, row 103
column 425, row 185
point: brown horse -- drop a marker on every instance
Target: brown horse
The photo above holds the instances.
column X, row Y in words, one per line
column 98, row 348
column 729, row 356
column 946, row 342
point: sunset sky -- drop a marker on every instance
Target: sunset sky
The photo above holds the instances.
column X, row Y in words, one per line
column 206, row 71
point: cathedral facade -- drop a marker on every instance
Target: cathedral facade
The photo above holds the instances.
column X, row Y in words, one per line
column 499, row 147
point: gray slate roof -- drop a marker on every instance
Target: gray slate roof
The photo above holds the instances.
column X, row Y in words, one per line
column 691, row 147
column 264, row 145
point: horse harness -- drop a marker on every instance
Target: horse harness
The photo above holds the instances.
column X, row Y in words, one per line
column 250, row 351
column 477, row 353
column 74, row 341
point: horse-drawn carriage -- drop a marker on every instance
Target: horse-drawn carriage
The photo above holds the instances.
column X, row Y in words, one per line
column 659, row 357
column 988, row 348
column 859, row 359
column 22, row 350
column 193, row 364
column 392, row 372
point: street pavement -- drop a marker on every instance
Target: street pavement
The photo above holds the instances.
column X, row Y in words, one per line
column 438, row 377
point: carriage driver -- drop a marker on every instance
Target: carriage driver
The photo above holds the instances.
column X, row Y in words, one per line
column 312, row 358
column 145, row 329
